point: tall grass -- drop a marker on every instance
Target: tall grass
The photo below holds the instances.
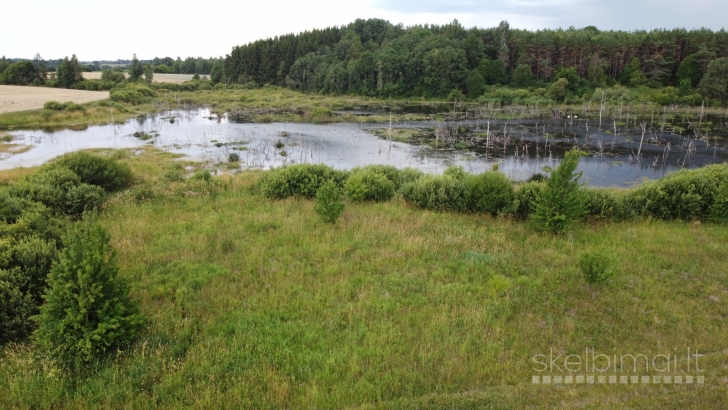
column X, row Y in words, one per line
column 256, row 303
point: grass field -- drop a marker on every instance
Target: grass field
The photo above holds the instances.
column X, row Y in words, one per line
column 16, row 98
column 158, row 77
column 255, row 303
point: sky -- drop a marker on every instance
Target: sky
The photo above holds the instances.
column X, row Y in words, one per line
column 102, row 30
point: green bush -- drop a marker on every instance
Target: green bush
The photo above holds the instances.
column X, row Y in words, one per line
column 203, row 175
column 489, row 192
column 561, row 202
column 719, row 208
column 87, row 310
column 685, row 194
column 126, row 96
column 105, row 172
column 15, row 310
column 71, row 107
column 456, row 172
column 56, row 106
column 233, row 157
column 603, row 204
column 437, row 193
column 32, row 257
column 597, row 265
column 301, row 180
column 399, row 177
column 524, row 198
column 59, row 189
column 328, row 202
column 369, row 185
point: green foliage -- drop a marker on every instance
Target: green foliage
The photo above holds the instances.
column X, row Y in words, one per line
column 558, row 90
column 233, row 157
column 475, row 84
column 148, row 73
column 106, row 172
column 597, row 265
column 113, row 75
column 456, row 172
column 126, row 96
column 59, row 189
column 685, row 194
column 522, row 76
column 69, row 72
column 561, row 202
column 203, row 175
column 632, row 74
column 302, row 180
column 136, row 70
column 719, row 209
column 369, row 185
column 399, row 177
column 15, row 310
column 715, row 82
column 328, row 202
column 437, row 193
column 87, row 310
column 603, row 204
column 22, row 73
column 493, row 72
column 525, row 197
column 691, row 70
column 489, row 192
column 56, row 106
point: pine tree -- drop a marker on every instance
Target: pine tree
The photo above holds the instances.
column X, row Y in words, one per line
column 561, row 202
column 87, row 311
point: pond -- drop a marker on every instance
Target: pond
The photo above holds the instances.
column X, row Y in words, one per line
column 621, row 151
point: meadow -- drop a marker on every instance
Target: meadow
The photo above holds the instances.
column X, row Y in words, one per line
column 257, row 303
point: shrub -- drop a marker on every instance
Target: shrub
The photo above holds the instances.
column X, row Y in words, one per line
column 55, row 105
column 719, row 208
column 105, row 172
column 126, row 96
column 597, row 265
column 602, row 204
column 302, row 180
column 456, row 172
column 490, row 192
column 369, row 185
column 328, row 202
column 436, row 193
column 59, row 189
column 524, row 198
column 399, row 177
column 87, row 310
column 233, row 157
column 15, row 310
column 203, row 175
column 685, row 194
column 560, row 202
column 33, row 257
column 71, row 107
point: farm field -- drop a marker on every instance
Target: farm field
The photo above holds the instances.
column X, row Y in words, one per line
column 17, row 98
column 158, row 77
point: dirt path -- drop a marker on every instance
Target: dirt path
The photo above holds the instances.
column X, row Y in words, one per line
column 16, row 98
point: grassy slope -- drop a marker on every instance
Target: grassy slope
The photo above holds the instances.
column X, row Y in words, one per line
column 258, row 304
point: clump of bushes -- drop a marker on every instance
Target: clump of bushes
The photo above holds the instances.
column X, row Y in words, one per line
column 603, row 204
column 233, row 157
column 66, row 106
column 456, row 190
column 328, row 202
column 488, row 193
column 524, row 196
column 105, row 172
column 597, row 265
column 685, row 194
column 59, row 189
column 302, row 180
column 369, row 185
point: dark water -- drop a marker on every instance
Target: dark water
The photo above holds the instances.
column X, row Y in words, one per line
column 618, row 153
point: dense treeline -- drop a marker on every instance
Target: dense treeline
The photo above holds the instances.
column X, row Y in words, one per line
column 374, row 57
column 190, row 65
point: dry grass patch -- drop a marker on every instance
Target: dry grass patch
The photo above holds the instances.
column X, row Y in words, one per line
column 16, row 98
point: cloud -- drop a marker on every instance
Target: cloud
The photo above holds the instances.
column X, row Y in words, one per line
column 96, row 30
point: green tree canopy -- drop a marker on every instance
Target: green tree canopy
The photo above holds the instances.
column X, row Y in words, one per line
column 715, row 81
column 69, row 72
column 135, row 69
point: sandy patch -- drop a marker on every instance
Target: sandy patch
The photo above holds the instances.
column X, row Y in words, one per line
column 17, row 98
column 158, row 78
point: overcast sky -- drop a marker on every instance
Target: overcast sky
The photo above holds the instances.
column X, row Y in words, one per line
column 96, row 30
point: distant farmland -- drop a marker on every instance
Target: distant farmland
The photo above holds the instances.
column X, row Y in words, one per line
column 160, row 78
column 16, row 98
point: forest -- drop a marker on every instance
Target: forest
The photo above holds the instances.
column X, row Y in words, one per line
column 376, row 58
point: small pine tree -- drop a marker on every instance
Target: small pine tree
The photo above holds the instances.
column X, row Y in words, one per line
column 136, row 70
column 561, row 202
column 328, row 202
column 87, row 311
